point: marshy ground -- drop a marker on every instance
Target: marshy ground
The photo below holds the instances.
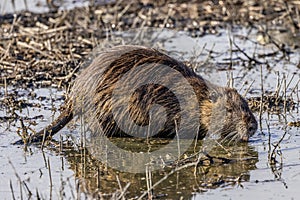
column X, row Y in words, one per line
column 250, row 45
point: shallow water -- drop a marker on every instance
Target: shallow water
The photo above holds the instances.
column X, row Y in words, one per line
column 257, row 178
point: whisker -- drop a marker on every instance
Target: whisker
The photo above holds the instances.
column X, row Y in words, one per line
column 230, row 137
column 234, row 139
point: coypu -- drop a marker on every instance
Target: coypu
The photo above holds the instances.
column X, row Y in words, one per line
column 94, row 88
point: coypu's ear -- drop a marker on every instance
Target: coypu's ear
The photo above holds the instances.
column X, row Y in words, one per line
column 230, row 92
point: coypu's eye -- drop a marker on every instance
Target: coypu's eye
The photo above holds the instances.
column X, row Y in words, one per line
column 251, row 129
column 213, row 96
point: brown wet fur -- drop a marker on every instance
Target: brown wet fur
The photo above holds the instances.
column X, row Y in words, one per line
column 92, row 92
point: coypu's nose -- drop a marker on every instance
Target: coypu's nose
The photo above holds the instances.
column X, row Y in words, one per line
column 250, row 125
column 247, row 129
column 252, row 128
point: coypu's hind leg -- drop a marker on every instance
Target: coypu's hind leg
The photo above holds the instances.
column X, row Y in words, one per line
column 65, row 117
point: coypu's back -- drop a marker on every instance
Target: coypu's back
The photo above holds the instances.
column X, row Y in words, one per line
column 97, row 83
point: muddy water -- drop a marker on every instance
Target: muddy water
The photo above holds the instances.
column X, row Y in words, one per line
column 249, row 175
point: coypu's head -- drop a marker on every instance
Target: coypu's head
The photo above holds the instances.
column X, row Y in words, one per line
column 229, row 115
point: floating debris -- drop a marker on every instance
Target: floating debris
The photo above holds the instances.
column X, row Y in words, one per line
column 271, row 103
column 295, row 124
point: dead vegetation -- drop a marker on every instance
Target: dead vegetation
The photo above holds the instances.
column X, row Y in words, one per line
column 46, row 49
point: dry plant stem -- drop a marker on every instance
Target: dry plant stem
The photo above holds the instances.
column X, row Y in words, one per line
column 291, row 16
column 22, row 183
column 278, row 85
column 122, row 190
column 220, row 145
column 273, row 160
column 43, row 140
column 245, row 54
column 149, row 183
column 261, row 101
column 178, row 139
column 37, row 194
column 295, row 89
column 24, row 130
column 230, row 48
column 62, row 164
column 62, row 187
column 85, row 160
column 78, row 190
column 196, row 139
column 283, row 96
column 49, row 171
column 297, row 93
column 276, row 146
column 122, row 195
column 45, row 160
column 195, row 55
column 284, row 102
column 209, row 53
column 279, row 47
column 230, row 81
column 120, row 187
column 149, row 130
column 60, row 143
column 5, row 87
column 289, row 83
column 247, row 90
column 12, row 190
column 29, row 192
column 77, row 182
column 269, row 141
column 277, row 170
column 82, row 129
column 71, row 187
column 198, row 161
column 98, row 178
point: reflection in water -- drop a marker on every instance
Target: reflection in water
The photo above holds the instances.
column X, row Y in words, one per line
column 227, row 165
